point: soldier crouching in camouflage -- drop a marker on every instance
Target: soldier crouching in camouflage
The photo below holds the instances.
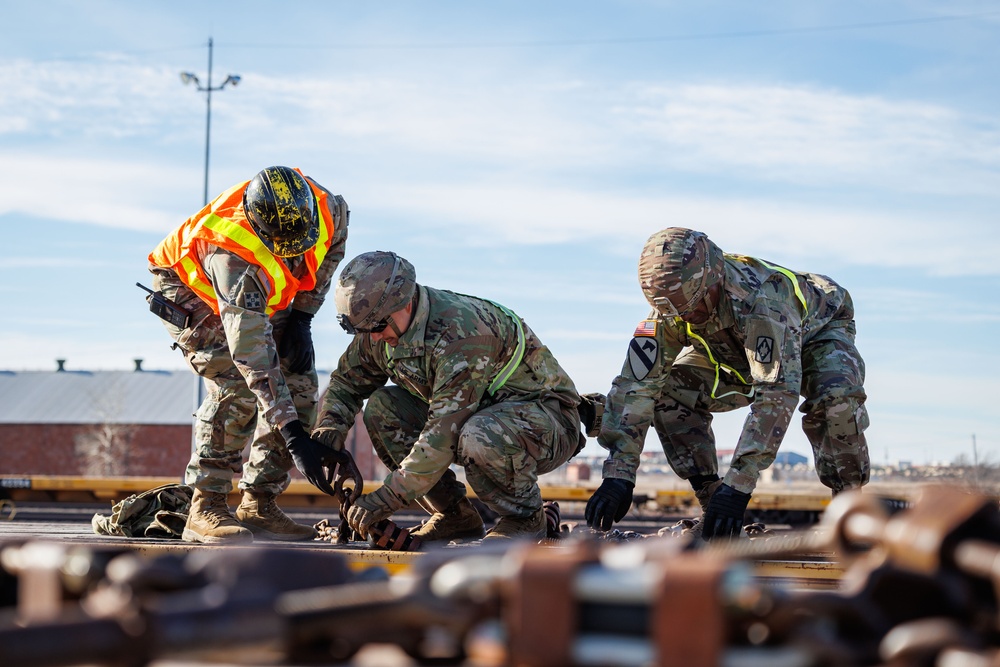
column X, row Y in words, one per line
column 729, row 331
column 473, row 386
column 251, row 269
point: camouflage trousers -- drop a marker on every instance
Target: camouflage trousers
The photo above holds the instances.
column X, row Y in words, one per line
column 228, row 420
column 834, row 416
column 503, row 447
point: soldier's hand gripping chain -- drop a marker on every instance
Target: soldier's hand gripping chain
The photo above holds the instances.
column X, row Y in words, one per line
column 609, row 503
column 339, row 474
column 724, row 515
column 371, row 508
column 310, row 457
column 296, row 342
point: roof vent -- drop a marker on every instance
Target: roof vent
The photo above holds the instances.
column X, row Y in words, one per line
column 138, row 365
column 60, row 365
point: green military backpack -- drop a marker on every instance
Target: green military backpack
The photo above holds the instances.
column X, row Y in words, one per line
column 160, row 512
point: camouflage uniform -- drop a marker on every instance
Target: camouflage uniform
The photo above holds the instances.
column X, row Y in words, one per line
column 441, row 410
column 770, row 352
column 251, row 392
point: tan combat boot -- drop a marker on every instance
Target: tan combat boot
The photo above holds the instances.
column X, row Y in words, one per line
column 210, row 522
column 459, row 521
column 519, row 527
column 261, row 514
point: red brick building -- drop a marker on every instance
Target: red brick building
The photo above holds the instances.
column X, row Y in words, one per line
column 111, row 423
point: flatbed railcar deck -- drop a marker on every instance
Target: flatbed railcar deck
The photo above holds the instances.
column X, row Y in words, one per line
column 69, row 525
column 784, row 506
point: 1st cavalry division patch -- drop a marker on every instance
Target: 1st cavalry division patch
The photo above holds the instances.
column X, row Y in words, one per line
column 642, row 349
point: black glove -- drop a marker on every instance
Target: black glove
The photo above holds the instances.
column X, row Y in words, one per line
column 310, row 457
column 724, row 515
column 591, row 409
column 609, row 503
column 296, row 342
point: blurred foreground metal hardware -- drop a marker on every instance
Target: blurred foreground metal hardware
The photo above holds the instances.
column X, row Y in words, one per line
column 920, row 589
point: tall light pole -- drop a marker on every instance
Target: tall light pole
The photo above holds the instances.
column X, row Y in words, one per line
column 188, row 77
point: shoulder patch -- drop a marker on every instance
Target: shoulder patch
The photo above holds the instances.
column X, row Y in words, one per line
column 642, row 355
column 252, row 301
column 764, row 344
column 646, row 328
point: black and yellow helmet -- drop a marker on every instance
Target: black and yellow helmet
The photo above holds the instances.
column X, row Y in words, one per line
column 281, row 208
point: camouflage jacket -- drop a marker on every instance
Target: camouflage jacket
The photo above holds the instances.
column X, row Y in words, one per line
column 756, row 333
column 454, row 348
column 242, row 302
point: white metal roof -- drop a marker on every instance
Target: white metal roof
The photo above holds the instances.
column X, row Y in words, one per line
column 98, row 397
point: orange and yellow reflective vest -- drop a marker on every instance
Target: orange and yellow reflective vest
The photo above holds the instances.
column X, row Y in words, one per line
column 223, row 224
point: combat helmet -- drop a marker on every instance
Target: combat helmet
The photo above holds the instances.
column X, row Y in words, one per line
column 281, row 208
column 371, row 287
column 677, row 269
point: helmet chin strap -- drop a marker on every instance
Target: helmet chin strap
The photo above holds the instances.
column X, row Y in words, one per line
column 391, row 321
column 412, row 305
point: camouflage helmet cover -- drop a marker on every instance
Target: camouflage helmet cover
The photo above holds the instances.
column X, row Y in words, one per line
column 676, row 269
column 372, row 286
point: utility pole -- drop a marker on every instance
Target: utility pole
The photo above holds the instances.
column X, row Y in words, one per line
column 188, row 77
column 208, row 89
column 975, row 461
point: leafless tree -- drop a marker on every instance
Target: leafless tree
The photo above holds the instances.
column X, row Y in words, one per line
column 103, row 449
column 981, row 473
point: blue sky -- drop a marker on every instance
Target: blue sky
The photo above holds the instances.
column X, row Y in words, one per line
column 524, row 151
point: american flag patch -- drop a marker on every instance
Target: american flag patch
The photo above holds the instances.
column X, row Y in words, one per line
column 646, row 328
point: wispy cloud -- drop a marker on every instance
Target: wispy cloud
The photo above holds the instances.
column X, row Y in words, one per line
column 545, row 122
column 802, row 134
column 527, row 214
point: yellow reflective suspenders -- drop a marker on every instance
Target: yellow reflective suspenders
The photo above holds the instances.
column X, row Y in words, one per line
column 515, row 360
column 718, row 366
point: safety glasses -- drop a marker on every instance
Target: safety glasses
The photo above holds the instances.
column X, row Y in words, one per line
column 379, row 326
column 346, row 325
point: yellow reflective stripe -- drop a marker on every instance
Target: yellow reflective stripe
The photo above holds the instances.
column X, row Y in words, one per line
column 788, row 274
column 323, row 243
column 717, row 366
column 194, row 280
column 501, row 378
column 265, row 259
column 805, row 310
column 795, row 283
column 515, row 361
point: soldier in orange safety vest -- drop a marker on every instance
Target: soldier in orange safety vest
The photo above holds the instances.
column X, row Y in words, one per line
column 251, row 269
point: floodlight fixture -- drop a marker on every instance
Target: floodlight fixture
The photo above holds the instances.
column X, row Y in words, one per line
column 208, row 89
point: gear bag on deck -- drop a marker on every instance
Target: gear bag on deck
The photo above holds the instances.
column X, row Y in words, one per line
column 160, row 512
